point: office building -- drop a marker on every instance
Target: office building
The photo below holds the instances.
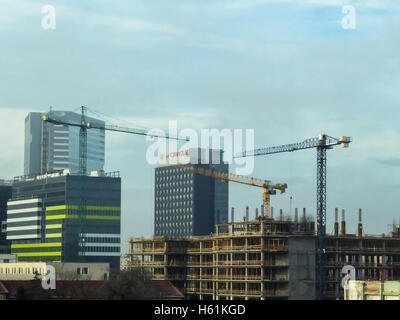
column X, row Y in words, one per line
column 63, row 271
column 44, row 219
column 186, row 203
column 5, row 195
column 50, row 147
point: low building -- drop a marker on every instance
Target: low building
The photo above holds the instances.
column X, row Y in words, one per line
column 372, row 290
column 64, row 271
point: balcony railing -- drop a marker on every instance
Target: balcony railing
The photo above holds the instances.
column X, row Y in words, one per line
column 239, row 291
column 153, row 262
column 224, row 276
column 254, row 246
column 277, row 248
column 276, row 292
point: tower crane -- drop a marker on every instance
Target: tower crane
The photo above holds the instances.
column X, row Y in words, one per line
column 225, row 177
column 85, row 125
column 323, row 142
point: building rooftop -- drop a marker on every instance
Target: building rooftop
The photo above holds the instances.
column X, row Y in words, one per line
column 62, row 173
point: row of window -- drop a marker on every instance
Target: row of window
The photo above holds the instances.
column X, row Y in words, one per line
column 102, row 249
column 177, row 197
column 175, row 204
column 175, row 190
column 174, row 217
column 177, row 232
column 160, row 177
column 20, row 270
column 101, row 240
column 174, row 224
column 174, row 184
column 171, row 170
column 174, row 211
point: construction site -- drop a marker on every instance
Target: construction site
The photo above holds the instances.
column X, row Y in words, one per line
column 265, row 258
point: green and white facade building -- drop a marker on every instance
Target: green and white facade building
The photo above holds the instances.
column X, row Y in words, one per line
column 44, row 220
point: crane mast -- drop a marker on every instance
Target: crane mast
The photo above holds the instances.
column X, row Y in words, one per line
column 84, row 125
column 322, row 143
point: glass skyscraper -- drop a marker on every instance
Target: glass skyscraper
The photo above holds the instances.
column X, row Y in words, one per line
column 50, row 147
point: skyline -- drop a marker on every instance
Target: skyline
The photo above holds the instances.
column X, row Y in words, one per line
column 286, row 69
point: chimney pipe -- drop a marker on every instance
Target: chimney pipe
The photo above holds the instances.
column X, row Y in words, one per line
column 296, row 215
column 256, row 213
column 343, row 224
column 281, row 215
column 336, row 222
column 247, row 213
column 232, row 214
column 272, row 212
column 360, row 228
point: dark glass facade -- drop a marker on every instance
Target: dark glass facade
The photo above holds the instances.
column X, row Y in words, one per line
column 44, row 220
column 188, row 204
column 5, row 195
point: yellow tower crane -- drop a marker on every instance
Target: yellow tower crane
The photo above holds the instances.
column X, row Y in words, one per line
column 225, row 177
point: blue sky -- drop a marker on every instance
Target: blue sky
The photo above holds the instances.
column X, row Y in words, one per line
column 286, row 69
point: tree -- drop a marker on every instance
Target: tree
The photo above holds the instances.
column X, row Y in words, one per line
column 131, row 285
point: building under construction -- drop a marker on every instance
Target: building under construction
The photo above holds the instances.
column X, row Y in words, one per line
column 266, row 258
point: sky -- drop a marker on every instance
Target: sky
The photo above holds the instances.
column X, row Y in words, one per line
column 286, row 69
